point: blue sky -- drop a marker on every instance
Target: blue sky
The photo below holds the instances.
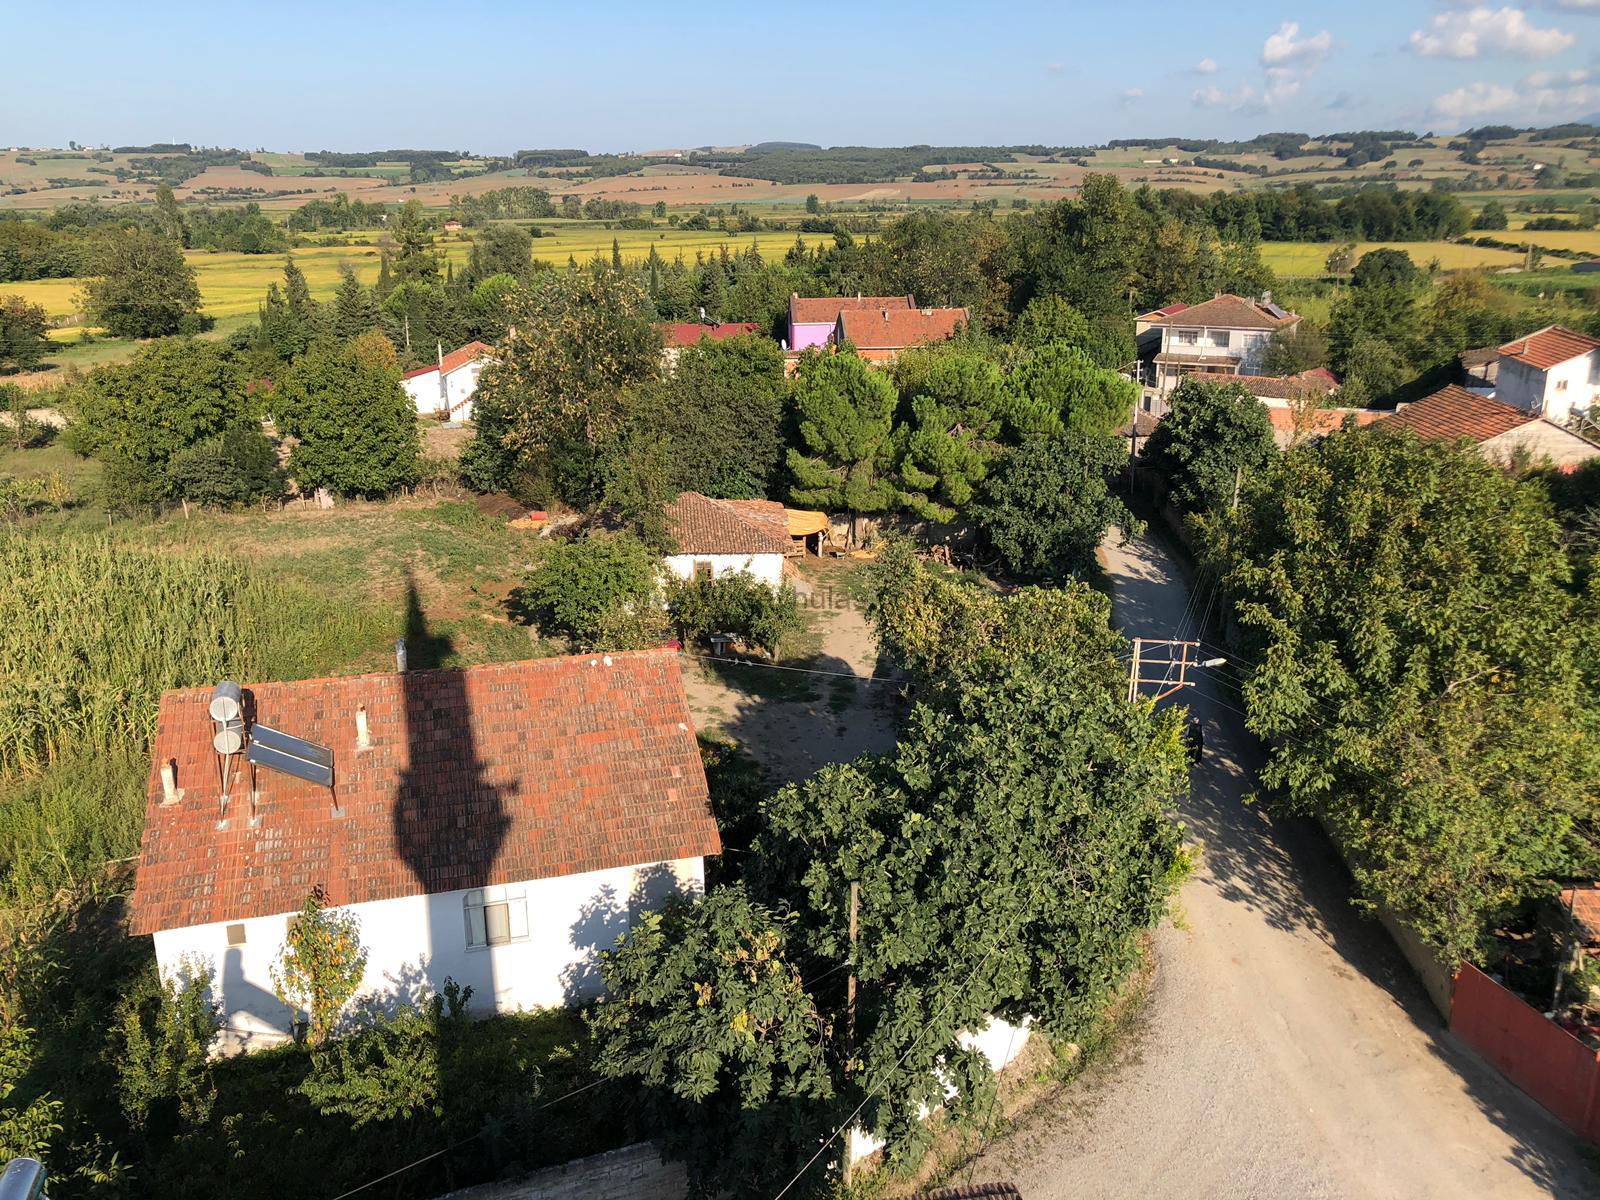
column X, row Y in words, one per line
column 496, row 77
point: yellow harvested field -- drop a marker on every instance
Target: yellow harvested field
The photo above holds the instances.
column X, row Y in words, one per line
column 1308, row 258
column 233, row 285
column 1585, row 241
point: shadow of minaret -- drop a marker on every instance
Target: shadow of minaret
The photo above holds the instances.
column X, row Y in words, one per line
column 450, row 821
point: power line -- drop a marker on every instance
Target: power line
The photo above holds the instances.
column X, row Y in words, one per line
column 915, row 1042
column 744, row 662
column 457, row 1145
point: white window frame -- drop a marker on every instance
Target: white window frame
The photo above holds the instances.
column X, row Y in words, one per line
column 1187, row 337
column 1219, row 339
column 485, row 908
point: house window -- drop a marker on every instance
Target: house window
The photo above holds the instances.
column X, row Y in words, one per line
column 1188, row 337
column 496, row 916
column 235, row 935
column 1561, row 385
column 702, row 568
column 1219, row 338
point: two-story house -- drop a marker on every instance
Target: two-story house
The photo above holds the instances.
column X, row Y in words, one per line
column 1551, row 373
column 1227, row 334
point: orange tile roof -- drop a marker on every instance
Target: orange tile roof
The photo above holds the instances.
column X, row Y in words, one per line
column 701, row 525
column 1324, row 421
column 1275, row 387
column 488, row 775
column 454, row 360
column 1549, row 347
column 825, row 310
column 689, row 333
column 1227, row 312
column 895, row 329
column 769, row 514
column 1454, row 412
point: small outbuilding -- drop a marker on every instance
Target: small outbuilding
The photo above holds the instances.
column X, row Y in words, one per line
column 724, row 537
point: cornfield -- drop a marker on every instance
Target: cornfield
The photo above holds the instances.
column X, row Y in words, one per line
column 92, row 631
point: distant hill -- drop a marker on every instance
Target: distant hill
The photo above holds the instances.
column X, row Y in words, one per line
column 768, row 147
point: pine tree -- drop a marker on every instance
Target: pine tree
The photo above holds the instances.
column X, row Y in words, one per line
column 385, row 279
column 353, row 309
column 616, row 255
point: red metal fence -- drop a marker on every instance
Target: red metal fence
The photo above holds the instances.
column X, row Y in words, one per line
column 1536, row 1054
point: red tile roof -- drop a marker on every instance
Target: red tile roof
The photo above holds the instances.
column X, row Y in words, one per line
column 488, row 775
column 769, row 514
column 688, row 333
column 825, row 310
column 701, row 525
column 1549, row 347
column 1273, row 387
column 1583, row 902
column 1227, row 312
column 897, row 328
column 1165, row 311
column 1454, row 412
column 454, row 360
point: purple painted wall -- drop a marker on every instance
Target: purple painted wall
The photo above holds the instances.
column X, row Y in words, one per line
column 806, row 334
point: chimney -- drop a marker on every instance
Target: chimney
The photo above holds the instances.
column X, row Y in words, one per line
column 885, row 314
column 170, row 792
column 363, row 741
column 400, row 656
column 702, row 314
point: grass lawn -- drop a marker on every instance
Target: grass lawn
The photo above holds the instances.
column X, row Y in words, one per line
column 463, row 565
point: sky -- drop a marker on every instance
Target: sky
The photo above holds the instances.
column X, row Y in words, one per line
column 495, row 77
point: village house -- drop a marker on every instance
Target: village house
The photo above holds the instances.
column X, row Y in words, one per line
column 1299, row 406
column 724, row 537
column 1500, row 431
column 445, row 389
column 813, row 319
column 677, row 336
column 879, row 335
column 496, row 825
column 1552, row 373
column 1227, row 335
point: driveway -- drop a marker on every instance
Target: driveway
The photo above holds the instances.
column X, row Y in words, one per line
column 1286, row 1050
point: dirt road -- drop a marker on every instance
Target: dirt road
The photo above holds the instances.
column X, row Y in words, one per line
column 1286, row 1050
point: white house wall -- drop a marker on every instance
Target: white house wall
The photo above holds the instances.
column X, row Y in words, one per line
column 424, row 392
column 1552, row 394
column 766, row 567
column 460, row 384
column 1542, row 442
column 415, row 943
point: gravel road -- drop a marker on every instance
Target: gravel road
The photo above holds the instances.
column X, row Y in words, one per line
column 1286, row 1050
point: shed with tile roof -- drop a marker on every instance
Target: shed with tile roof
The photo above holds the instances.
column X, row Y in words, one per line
column 714, row 538
column 496, row 825
column 1500, row 431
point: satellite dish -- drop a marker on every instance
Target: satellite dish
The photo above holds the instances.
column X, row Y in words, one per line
column 227, row 701
column 229, row 737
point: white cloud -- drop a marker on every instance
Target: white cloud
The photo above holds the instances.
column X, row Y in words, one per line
column 1208, row 65
column 1543, row 93
column 1479, row 32
column 1132, row 94
column 1287, row 46
column 1054, row 68
column 1242, row 99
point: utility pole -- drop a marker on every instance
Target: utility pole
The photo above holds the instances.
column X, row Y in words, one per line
column 1179, row 655
column 1238, row 482
column 850, row 1018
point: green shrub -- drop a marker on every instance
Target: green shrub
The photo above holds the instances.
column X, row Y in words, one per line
column 581, row 589
column 739, row 604
column 231, row 469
